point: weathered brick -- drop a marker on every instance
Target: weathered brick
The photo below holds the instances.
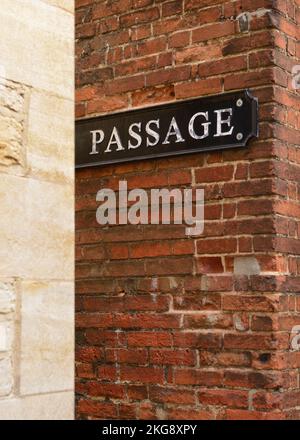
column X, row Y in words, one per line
column 212, row 31
column 186, row 328
column 172, row 8
column 148, row 47
column 197, row 53
column 153, row 375
column 217, row 246
column 134, row 18
column 228, row 398
column 172, row 357
column 167, row 76
column 121, row 85
column 100, row 409
column 171, row 395
column 202, row 87
column 179, row 39
column 184, row 376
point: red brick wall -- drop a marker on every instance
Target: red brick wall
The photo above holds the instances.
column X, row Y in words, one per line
column 176, row 327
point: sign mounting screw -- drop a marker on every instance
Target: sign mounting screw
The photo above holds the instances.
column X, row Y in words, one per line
column 239, row 103
column 239, row 136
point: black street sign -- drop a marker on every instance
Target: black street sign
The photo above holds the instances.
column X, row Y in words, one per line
column 205, row 124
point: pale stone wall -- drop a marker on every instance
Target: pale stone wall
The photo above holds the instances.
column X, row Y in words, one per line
column 36, row 206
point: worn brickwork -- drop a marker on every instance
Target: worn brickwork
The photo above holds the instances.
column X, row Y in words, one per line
column 176, row 327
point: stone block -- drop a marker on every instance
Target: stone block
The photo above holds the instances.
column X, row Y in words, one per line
column 6, row 378
column 47, row 337
column 54, row 406
column 51, row 137
column 13, row 106
column 7, row 297
column 36, row 45
column 36, row 229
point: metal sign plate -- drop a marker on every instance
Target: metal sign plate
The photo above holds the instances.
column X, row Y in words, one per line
column 212, row 123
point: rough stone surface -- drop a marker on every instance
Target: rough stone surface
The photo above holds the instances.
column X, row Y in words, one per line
column 7, row 334
column 49, row 137
column 46, row 229
column 68, row 5
column 6, row 379
column 13, row 101
column 40, row 50
column 47, row 354
column 54, row 406
column 36, row 197
column 7, row 297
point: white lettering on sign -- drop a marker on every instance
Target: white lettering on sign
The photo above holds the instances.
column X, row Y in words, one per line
column 114, row 140
column 154, row 134
column 218, row 122
column 135, row 135
column 199, row 127
column 97, row 138
column 221, row 122
column 173, row 131
column 205, row 126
